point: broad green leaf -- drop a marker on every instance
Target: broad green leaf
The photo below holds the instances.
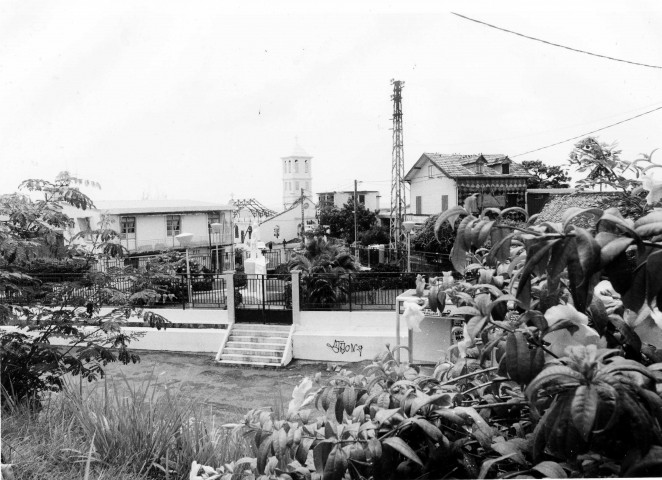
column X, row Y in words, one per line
column 336, row 464
column 573, row 212
column 442, row 399
column 484, row 233
column 450, row 216
column 533, row 258
column 374, row 450
column 556, row 375
column 401, row 447
column 466, row 310
column 624, row 225
column 584, row 408
column 651, row 218
column 588, row 251
column 500, row 250
column 613, row 249
column 481, row 430
column 516, row 447
column 649, row 230
column 263, row 454
column 430, row 430
column 475, row 232
column 635, row 295
column 459, row 252
column 465, row 238
column 321, row 454
column 515, row 209
column 382, row 415
column 550, row 470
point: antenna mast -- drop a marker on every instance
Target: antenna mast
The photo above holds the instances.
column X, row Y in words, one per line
column 398, row 187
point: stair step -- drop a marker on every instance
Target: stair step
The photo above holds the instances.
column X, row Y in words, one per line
column 250, row 364
column 256, row 345
column 253, row 352
column 254, row 339
column 259, row 333
column 250, row 358
column 262, row 326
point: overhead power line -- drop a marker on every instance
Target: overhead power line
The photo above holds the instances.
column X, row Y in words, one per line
column 556, row 44
column 588, row 133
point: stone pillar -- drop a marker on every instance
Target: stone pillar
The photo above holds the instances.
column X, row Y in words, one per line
column 296, row 298
column 229, row 293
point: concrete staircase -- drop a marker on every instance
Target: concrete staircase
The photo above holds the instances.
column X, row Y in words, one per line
column 258, row 345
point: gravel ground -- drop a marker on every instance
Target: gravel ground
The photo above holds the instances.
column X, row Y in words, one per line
column 229, row 391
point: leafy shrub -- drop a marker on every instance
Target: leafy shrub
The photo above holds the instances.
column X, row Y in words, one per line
column 549, row 379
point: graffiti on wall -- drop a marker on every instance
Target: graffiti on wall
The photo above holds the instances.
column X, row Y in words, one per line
column 339, row 346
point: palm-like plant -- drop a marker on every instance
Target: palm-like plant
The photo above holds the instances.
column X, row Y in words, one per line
column 324, row 266
column 601, row 402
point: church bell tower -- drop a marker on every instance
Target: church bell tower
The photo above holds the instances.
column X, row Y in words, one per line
column 297, row 175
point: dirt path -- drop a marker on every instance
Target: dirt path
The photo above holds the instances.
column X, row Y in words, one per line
column 229, row 391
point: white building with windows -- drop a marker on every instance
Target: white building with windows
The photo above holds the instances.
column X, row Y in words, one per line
column 369, row 198
column 152, row 225
column 297, row 176
column 440, row 181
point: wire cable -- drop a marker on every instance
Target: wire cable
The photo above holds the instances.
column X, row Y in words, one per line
column 556, row 44
column 587, row 133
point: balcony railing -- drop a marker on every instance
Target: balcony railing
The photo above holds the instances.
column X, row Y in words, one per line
column 138, row 245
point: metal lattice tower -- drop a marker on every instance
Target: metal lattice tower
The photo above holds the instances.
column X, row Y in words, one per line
column 398, row 186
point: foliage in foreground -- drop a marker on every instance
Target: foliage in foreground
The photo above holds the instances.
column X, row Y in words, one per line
column 550, row 380
column 118, row 431
column 61, row 329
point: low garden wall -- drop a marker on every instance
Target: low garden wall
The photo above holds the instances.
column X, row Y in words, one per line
column 341, row 336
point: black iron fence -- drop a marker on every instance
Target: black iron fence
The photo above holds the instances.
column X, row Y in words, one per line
column 155, row 291
column 266, row 291
column 355, row 291
column 351, row 291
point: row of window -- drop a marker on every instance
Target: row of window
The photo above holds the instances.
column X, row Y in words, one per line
column 287, row 186
column 287, row 166
column 419, row 204
column 173, row 224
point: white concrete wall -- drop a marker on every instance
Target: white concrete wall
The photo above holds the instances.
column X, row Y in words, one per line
column 355, row 336
column 169, row 340
column 190, row 315
column 431, row 190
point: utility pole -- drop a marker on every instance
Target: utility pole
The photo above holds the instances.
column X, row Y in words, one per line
column 356, row 237
column 398, row 187
column 303, row 237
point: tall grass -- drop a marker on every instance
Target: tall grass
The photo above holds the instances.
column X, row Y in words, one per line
column 118, row 430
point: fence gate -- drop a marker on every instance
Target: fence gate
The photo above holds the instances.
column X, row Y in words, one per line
column 263, row 299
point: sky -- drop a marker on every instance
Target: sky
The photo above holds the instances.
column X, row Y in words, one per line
column 200, row 100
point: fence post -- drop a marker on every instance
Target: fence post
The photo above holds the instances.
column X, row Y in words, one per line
column 296, row 297
column 350, row 292
column 183, row 284
column 229, row 295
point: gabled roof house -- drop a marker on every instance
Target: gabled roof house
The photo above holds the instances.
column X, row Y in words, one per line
column 440, row 181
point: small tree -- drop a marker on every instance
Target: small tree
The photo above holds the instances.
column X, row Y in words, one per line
column 545, row 176
column 29, row 363
column 341, row 221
